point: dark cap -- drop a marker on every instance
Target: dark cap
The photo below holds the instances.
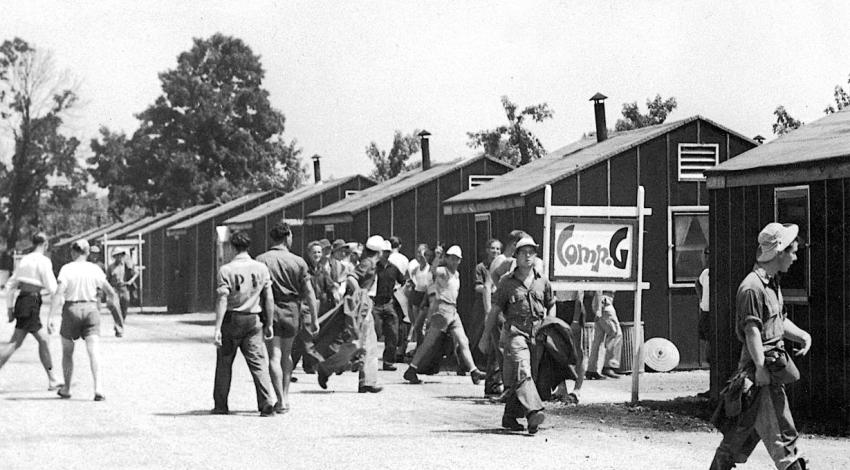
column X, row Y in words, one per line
column 339, row 244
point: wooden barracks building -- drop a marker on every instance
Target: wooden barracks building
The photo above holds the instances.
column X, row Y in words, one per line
column 801, row 178
column 605, row 170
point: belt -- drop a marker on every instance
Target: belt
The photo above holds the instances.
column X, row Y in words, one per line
column 80, row 301
column 29, row 293
column 236, row 312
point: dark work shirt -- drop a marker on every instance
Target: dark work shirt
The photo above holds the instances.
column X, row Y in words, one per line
column 524, row 306
column 289, row 273
column 388, row 276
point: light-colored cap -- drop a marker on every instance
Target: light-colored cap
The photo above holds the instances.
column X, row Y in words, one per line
column 388, row 246
column 454, row 250
column 375, row 243
column 119, row 251
column 773, row 238
column 526, row 241
column 82, row 245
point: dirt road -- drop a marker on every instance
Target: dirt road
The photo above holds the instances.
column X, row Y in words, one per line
column 159, row 391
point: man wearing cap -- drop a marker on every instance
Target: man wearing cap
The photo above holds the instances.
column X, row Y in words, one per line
column 76, row 292
column 525, row 297
column 291, row 287
column 384, row 310
column 762, row 325
column 33, row 275
column 244, row 293
column 360, row 349
column 122, row 274
column 607, row 331
column 445, row 319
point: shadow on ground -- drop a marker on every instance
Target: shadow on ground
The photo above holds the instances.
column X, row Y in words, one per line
column 680, row 414
column 498, row 431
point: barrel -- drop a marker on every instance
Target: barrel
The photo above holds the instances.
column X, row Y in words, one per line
column 628, row 328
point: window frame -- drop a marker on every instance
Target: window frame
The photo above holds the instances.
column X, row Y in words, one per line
column 682, row 177
column 332, row 231
column 486, row 179
column 350, row 192
column 671, row 238
column 790, row 295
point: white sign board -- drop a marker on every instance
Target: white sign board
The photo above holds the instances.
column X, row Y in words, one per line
column 592, row 249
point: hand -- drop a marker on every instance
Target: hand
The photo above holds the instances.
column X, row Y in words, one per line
column 807, row 344
column 484, row 344
column 762, row 376
column 267, row 333
column 217, row 338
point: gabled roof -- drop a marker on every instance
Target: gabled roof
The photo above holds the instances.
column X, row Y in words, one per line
column 824, row 139
column 174, row 218
column 570, row 160
column 71, row 238
column 124, row 231
column 93, row 235
column 393, row 187
column 220, row 210
column 289, row 199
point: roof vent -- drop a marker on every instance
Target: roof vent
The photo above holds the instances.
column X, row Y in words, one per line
column 599, row 112
column 426, row 151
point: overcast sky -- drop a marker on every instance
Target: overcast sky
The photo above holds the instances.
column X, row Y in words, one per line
column 347, row 73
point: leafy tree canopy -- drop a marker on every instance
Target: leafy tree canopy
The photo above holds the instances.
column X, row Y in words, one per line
column 211, row 135
column 513, row 143
column 35, row 98
column 785, row 123
column 388, row 165
column 657, row 111
column 841, row 97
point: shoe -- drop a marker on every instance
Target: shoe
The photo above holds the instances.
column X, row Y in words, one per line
column 53, row 388
column 219, row 411
column 292, row 380
column 323, row 380
column 267, row 411
column 389, row 367
column 410, row 376
column 611, row 373
column 280, row 409
column 571, row 399
column 477, row 376
column 594, row 376
column 63, row 395
column 369, row 389
column 535, row 419
column 99, row 397
column 461, row 373
column 511, row 424
column 119, row 333
column 493, row 391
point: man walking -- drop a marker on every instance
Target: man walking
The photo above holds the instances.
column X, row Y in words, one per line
column 607, row 331
column 762, row 326
column 525, row 297
column 388, row 276
column 34, row 274
column 290, row 285
column 242, row 285
column 445, row 319
column 122, row 274
column 76, row 292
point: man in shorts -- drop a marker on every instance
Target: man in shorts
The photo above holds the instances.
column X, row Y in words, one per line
column 291, row 285
column 78, row 282
column 34, row 274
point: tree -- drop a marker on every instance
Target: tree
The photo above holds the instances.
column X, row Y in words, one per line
column 657, row 111
column 211, row 135
column 34, row 100
column 842, row 99
column 513, row 143
column 388, row 165
column 784, row 122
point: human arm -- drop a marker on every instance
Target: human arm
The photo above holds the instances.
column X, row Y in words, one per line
column 55, row 304
column 795, row 333
column 11, row 289
column 222, row 292
column 309, row 297
column 752, row 340
column 268, row 310
column 133, row 276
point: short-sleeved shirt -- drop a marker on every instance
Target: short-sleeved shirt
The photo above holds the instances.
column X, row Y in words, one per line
column 759, row 301
column 523, row 306
column 288, row 272
column 420, row 275
column 388, row 276
column 482, row 271
column 34, row 269
column 121, row 271
column 242, row 280
column 79, row 280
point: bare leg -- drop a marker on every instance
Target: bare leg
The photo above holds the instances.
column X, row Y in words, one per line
column 67, row 363
column 93, row 347
column 14, row 343
column 275, row 366
column 46, row 358
column 462, row 345
column 286, row 366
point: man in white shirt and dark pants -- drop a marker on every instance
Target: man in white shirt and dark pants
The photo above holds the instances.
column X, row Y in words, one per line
column 34, row 275
column 78, row 282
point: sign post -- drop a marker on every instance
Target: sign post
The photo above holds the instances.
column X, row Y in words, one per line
column 597, row 248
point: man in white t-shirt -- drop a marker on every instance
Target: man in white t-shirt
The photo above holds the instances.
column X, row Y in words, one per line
column 78, row 282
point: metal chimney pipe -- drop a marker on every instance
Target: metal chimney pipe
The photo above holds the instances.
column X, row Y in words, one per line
column 759, row 138
column 426, row 150
column 599, row 113
column 317, row 169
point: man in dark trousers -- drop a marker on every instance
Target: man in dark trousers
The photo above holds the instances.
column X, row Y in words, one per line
column 384, row 310
column 244, row 293
column 762, row 326
column 525, row 297
column 290, row 285
column 122, row 274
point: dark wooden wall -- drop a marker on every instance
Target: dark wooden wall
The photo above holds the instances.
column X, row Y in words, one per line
column 671, row 313
column 737, row 216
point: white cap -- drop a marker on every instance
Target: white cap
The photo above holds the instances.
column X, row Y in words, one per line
column 119, row 251
column 388, row 246
column 375, row 243
column 525, row 241
column 454, row 250
column 82, row 245
column 773, row 238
